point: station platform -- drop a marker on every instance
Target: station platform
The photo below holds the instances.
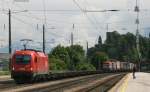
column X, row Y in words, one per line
column 140, row 84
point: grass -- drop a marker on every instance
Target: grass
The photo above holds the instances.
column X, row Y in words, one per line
column 4, row 73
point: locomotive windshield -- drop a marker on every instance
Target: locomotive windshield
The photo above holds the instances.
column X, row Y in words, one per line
column 22, row 59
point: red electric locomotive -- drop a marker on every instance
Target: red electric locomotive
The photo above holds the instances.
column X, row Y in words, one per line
column 27, row 65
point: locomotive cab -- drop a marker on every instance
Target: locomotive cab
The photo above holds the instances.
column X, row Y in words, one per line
column 22, row 62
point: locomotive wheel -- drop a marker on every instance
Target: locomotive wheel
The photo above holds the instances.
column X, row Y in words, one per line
column 24, row 80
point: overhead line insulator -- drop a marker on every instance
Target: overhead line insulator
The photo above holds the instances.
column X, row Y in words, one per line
column 137, row 9
column 137, row 21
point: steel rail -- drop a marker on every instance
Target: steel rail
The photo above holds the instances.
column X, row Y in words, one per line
column 60, row 85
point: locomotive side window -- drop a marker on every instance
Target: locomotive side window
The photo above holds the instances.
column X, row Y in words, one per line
column 22, row 59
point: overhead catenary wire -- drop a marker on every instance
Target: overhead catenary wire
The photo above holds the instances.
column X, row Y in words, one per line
column 79, row 6
column 38, row 19
column 33, row 26
column 93, row 16
column 22, row 21
column 30, row 24
column 27, row 12
column 84, row 12
column 93, row 22
column 48, row 20
column 86, row 15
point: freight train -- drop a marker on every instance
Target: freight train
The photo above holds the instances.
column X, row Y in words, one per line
column 29, row 65
column 115, row 65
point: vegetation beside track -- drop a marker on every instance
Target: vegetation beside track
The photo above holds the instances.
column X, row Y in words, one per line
column 69, row 58
column 4, row 73
column 116, row 46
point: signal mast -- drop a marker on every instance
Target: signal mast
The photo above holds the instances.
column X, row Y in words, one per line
column 137, row 22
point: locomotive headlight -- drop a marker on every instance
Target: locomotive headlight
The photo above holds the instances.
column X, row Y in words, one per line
column 31, row 68
column 13, row 68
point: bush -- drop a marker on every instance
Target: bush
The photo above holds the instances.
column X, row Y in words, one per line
column 69, row 58
column 4, row 73
column 85, row 66
column 57, row 64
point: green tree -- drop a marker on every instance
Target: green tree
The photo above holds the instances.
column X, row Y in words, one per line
column 99, row 41
column 98, row 58
column 76, row 54
column 71, row 58
column 57, row 64
column 123, row 47
column 59, row 55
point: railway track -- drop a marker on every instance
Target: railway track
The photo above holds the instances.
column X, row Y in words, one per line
column 8, row 83
column 102, row 85
column 57, row 85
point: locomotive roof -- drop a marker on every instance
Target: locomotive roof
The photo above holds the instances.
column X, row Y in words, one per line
column 39, row 53
column 31, row 50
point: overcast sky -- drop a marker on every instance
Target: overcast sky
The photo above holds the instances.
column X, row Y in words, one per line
column 88, row 26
